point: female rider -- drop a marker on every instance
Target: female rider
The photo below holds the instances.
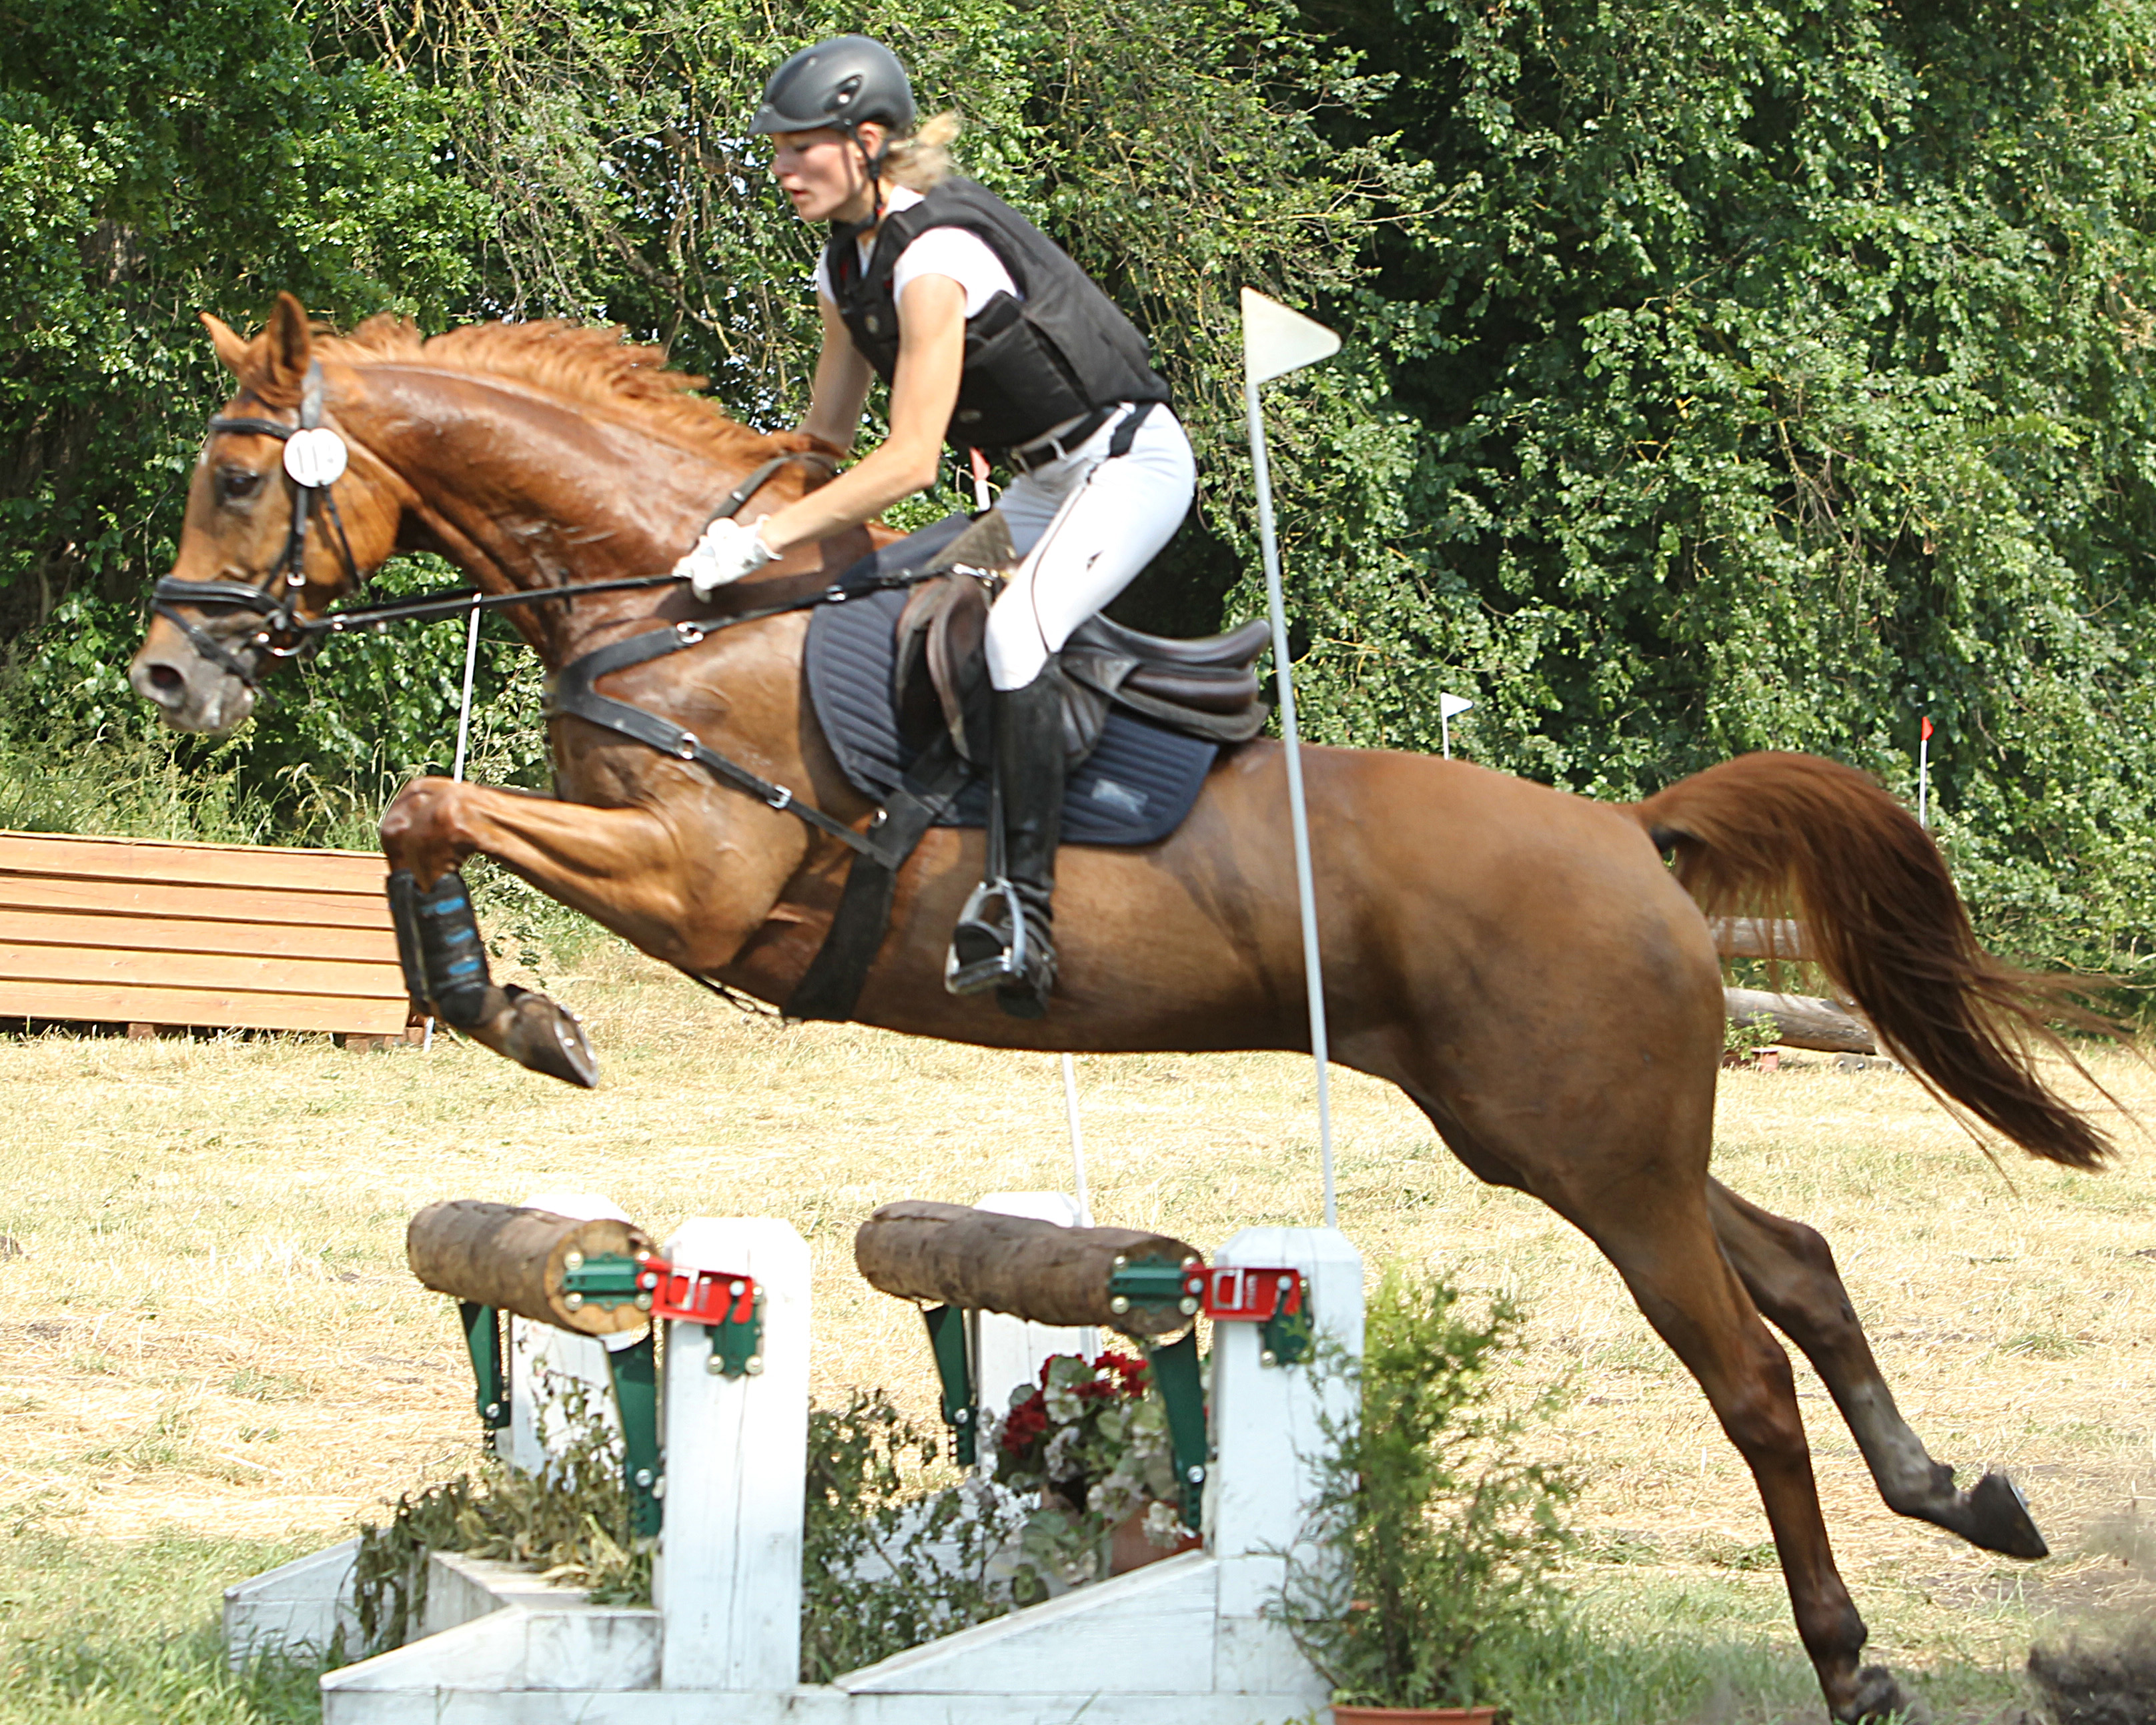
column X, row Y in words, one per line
column 993, row 339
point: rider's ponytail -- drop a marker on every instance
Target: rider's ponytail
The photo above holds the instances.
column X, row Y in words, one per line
column 921, row 161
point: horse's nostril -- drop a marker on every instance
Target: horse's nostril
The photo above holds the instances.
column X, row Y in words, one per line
column 165, row 681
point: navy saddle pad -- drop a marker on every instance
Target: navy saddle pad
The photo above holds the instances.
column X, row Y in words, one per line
column 1133, row 789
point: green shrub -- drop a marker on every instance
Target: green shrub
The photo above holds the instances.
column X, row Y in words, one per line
column 893, row 1552
column 1430, row 1580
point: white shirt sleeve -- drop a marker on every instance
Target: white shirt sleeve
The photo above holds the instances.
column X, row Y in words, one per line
column 823, row 280
column 963, row 256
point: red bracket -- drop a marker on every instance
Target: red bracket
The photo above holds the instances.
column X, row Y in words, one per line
column 696, row 1297
column 1244, row 1295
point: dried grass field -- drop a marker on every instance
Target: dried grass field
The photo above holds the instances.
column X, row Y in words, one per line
column 211, row 1353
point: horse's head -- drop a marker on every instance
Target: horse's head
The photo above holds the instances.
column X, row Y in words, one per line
column 278, row 527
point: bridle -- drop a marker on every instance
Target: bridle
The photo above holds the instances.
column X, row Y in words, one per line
column 284, row 632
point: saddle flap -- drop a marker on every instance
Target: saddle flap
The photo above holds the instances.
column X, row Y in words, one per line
column 939, row 675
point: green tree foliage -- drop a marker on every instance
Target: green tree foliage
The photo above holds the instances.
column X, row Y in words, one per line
column 1777, row 372
column 157, row 161
column 1719, row 377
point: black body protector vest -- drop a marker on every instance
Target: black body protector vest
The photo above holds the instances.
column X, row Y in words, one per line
column 1062, row 351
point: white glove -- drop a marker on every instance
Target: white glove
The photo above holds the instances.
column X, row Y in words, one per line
column 727, row 552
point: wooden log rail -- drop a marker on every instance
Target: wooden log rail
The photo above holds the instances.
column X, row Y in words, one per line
column 949, row 1254
column 1800, row 1020
column 514, row 1260
column 1760, row 938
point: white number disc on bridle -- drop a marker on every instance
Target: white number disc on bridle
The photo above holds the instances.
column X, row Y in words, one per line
column 315, row 458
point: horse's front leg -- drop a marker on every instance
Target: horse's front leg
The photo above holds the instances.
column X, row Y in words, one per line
column 689, row 899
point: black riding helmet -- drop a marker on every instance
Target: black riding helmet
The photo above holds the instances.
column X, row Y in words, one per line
column 840, row 83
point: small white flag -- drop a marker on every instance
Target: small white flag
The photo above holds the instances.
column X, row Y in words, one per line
column 1449, row 708
column 1276, row 341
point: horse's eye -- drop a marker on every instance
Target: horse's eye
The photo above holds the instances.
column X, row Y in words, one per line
column 236, row 483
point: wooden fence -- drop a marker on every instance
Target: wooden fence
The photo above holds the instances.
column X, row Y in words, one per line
column 146, row 933
column 1800, row 1020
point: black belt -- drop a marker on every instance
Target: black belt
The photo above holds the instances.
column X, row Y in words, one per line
column 1043, row 451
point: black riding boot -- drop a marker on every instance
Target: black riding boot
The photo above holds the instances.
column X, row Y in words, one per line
column 1004, row 939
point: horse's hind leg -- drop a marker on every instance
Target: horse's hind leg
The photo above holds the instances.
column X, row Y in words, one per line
column 1658, row 1234
column 1790, row 1271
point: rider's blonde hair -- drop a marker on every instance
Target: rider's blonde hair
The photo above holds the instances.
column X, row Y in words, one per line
column 923, row 160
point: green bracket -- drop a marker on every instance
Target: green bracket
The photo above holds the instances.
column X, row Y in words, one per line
column 483, row 1336
column 634, row 1370
column 606, row 1279
column 946, row 1340
column 1287, row 1338
column 738, row 1348
column 1175, row 1375
column 1154, row 1285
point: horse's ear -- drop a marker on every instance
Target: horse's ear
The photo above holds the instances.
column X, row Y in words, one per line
column 230, row 348
column 287, row 347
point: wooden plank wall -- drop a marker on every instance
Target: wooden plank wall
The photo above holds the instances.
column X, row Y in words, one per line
column 133, row 931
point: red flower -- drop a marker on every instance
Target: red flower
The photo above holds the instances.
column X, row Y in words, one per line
column 1127, row 1368
column 1025, row 1424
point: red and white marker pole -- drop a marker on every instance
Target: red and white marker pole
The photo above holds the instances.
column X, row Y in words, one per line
column 1923, row 773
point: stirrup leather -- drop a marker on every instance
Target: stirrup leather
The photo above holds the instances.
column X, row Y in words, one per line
column 1018, row 958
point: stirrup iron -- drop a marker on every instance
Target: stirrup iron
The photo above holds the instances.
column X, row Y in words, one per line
column 1008, row 964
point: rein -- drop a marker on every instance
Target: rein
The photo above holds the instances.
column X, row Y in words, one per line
column 285, row 634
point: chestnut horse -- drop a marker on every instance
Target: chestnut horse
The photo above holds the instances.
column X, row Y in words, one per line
column 1524, row 963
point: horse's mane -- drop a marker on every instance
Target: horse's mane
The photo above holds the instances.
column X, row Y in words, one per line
column 593, row 367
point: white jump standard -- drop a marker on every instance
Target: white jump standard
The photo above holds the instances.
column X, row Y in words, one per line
column 722, row 1640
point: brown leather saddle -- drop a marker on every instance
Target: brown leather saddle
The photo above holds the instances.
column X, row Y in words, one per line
column 1206, row 687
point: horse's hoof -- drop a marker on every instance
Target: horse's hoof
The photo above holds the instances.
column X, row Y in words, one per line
column 1879, row 1699
column 1998, row 1519
column 548, row 1038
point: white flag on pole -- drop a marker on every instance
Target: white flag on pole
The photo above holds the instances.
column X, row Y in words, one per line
column 1276, row 341
column 1449, row 708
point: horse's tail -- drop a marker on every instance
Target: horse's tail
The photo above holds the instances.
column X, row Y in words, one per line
column 1788, row 834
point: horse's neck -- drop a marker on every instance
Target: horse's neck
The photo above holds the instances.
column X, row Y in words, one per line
column 526, row 493
column 525, row 496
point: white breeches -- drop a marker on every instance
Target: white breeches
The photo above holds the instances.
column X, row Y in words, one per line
column 1086, row 525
